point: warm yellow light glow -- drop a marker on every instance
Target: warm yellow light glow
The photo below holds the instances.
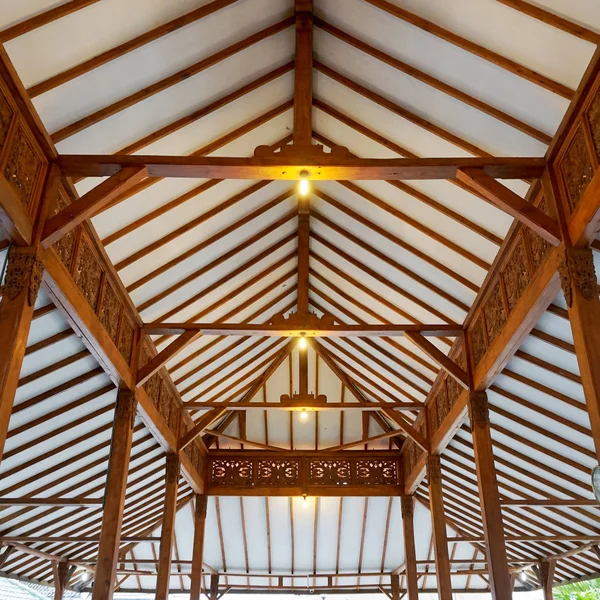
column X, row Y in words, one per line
column 304, row 415
column 305, row 503
column 302, row 343
column 304, row 187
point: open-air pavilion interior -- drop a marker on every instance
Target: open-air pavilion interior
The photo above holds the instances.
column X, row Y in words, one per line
column 299, row 296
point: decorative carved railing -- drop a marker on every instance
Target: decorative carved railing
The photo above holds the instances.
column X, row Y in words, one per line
column 294, row 474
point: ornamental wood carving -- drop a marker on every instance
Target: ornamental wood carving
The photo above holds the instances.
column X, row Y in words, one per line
column 479, row 413
column 434, row 469
column 577, row 272
column 24, row 169
column 495, row 312
column 303, row 473
column 516, row 273
column 6, row 117
column 24, row 272
column 408, row 506
column 576, row 168
column 109, row 311
column 88, row 273
column 593, row 119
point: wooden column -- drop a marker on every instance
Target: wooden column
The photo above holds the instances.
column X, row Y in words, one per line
column 410, row 555
column 168, row 527
column 578, row 280
column 114, row 497
column 198, row 549
column 62, row 573
column 214, row 586
column 489, row 498
column 21, row 285
column 545, row 574
column 440, row 539
column 395, row 584
column 303, row 73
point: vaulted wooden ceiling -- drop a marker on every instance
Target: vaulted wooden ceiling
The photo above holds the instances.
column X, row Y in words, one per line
column 408, row 78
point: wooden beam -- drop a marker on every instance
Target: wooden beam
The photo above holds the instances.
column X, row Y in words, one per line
column 129, row 46
column 436, row 507
column 168, row 527
column 447, row 364
column 50, row 501
column 204, row 422
column 548, row 502
column 8, row 550
column 114, row 498
column 308, row 329
column 467, row 45
column 214, row 587
column 364, row 441
column 308, row 404
column 44, row 18
column 491, row 511
column 511, row 203
column 407, row 428
column 303, row 73
column 91, row 203
column 322, row 167
column 164, row 356
column 201, row 502
column 410, row 555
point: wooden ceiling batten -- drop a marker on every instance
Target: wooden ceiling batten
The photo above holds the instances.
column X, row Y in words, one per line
column 484, row 53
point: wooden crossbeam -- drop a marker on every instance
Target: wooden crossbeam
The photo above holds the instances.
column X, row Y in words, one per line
column 164, row 356
column 204, row 422
column 325, row 167
column 505, row 199
column 8, row 501
column 436, row 330
column 303, row 73
column 91, row 203
column 407, row 428
column 549, row 502
column 308, row 404
column 440, row 358
column 366, row 440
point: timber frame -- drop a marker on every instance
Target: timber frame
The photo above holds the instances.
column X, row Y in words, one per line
column 415, row 444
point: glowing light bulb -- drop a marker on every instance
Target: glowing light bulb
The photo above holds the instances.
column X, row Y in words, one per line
column 304, row 187
column 302, row 343
column 523, row 576
column 85, row 576
column 304, row 415
column 305, row 503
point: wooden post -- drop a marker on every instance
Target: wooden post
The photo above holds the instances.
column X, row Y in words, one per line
column 395, row 583
column 578, row 280
column 21, row 285
column 491, row 511
column 114, row 498
column 168, row 527
column 303, row 73
column 410, row 555
column 214, row 586
column 440, row 540
column 62, row 573
column 198, row 548
column 545, row 574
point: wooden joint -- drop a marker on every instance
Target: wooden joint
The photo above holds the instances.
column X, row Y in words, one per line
column 24, row 273
column 479, row 412
column 577, row 274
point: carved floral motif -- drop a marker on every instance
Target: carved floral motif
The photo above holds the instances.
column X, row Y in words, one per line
column 516, row 273
column 494, row 312
column 6, row 117
column 278, row 473
column 377, row 472
column 232, row 472
column 22, row 169
column 576, row 168
column 434, row 469
column 478, row 408
column 330, row 472
column 593, row 117
column 24, row 272
column 88, row 273
column 477, row 340
column 408, row 506
column 110, row 311
column 576, row 269
column 125, row 342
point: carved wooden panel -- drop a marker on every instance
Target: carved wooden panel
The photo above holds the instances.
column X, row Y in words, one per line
column 7, row 114
column 377, row 472
column 24, row 168
column 126, row 337
column 478, row 340
column 278, row 473
column 109, row 311
column 88, row 272
column 494, row 312
column 232, row 472
column 593, row 118
column 152, row 388
column 65, row 247
column 576, row 168
column 516, row 273
column 330, row 472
